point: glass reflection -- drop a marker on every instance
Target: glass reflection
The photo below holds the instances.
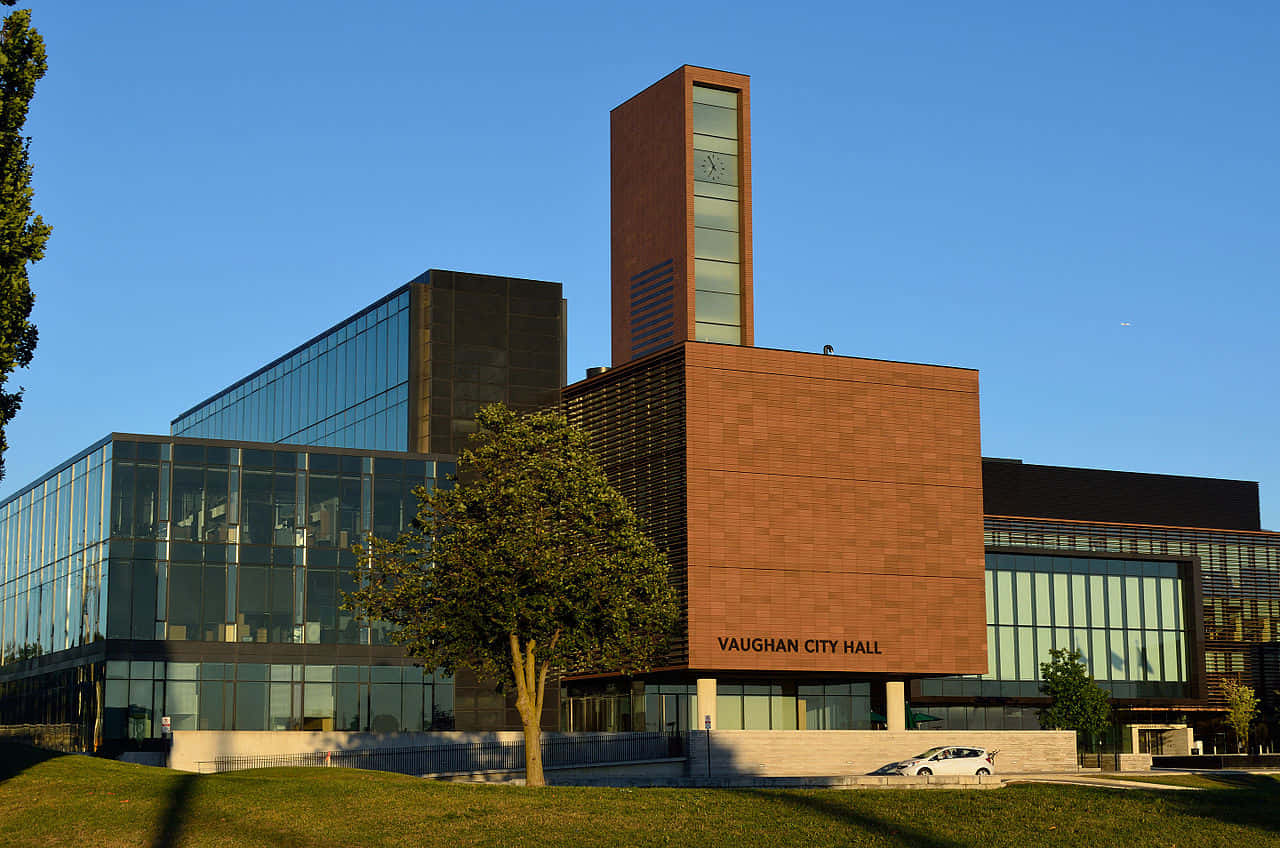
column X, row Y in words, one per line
column 308, row 397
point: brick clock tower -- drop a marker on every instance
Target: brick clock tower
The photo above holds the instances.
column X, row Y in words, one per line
column 803, row 501
column 681, row 213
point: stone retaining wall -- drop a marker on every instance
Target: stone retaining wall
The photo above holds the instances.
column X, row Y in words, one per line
column 833, row 752
column 766, row 753
column 192, row 747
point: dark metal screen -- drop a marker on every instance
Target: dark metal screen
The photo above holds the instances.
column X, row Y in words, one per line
column 636, row 420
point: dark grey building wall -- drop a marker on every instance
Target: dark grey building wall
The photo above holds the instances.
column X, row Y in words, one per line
column 488, row 339
column 1010, row 487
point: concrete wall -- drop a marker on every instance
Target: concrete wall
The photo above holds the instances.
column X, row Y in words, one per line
column 784, row 753
column 769, row 753
column 1133, row 762
column 1178, row 740
column 192, row 747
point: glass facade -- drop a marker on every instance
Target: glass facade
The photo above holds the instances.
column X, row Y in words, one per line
column 1125, row 617
column 53, row 559
column 813, row 706
column 671, row 707
column 655, row 707
column 347, row 388
column 716, row 241
column 272, row 696
column 1239, row 578
column 161, row 543
column 220, row 544
column 968, row 717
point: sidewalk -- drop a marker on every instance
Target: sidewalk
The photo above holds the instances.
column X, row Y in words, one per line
column 1069, row 779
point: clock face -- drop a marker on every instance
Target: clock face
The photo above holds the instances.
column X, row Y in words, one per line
column 714, row 168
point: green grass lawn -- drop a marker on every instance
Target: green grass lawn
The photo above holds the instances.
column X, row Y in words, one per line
column 48, row 801
column 1228, row 780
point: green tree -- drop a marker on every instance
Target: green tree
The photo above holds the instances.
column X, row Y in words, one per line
column 1242, row 709
column 1076, row 702
column 22, row 235
column 532, row 562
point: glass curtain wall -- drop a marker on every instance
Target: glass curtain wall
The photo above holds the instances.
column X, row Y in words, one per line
column 147, row 540
column 219, row 544
column 173, row 541
column 1239, row 576
column 348, row 388
column 671, row 707
column 261, row 696
column 812, row 706
column 717, row 261
column 53, row 558
column 652, row 707
column 1125, row 617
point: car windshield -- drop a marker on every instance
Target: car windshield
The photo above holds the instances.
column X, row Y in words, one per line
column 928, row 753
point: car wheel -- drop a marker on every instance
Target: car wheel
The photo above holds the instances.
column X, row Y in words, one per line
column 924, row 772
column 984, row 771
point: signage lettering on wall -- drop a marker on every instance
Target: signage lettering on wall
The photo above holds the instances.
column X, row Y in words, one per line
column 784, row 645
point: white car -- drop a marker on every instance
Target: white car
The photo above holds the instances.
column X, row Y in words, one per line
column 958, row 760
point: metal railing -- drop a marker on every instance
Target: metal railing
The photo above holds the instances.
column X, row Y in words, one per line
column 465, row 758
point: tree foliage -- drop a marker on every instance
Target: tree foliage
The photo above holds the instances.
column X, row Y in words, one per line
column 22, row 235
column 1242, row 709
column 1076, row 702
column 532, row 562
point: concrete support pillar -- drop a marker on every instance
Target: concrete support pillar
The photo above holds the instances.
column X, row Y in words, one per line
column 895, row 705
column 706, row 703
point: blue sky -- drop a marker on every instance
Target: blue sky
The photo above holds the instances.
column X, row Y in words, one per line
column 1080, row 201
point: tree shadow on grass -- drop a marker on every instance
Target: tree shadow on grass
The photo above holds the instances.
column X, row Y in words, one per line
column 15, row 758
column 812, row 802
column 175, row 814
column 1253, row 802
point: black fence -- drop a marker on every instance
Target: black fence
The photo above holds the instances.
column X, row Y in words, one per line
column 557, row 752
column 1099, row 760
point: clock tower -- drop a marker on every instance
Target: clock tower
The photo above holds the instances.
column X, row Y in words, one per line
column 680, row 190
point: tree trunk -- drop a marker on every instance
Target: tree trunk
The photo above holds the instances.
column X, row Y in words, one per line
column 531, row 683
column 533, row 752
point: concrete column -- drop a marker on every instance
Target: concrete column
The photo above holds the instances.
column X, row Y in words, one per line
column 895, row 705
column 706, row 702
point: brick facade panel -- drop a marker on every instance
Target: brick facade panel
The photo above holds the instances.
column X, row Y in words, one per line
column 649, row 168
column 651, row 197
column 834, row 498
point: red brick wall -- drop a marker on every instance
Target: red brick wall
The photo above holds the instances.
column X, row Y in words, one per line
column 649, row 164
column 834, row 498
column 651, row 196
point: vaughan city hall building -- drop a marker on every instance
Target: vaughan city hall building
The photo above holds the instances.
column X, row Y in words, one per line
column 844, row 555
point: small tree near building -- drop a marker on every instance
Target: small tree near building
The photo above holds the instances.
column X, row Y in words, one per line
column 22, row 233
column 1242, row 709
column 532, row 562
column 1076, row 702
